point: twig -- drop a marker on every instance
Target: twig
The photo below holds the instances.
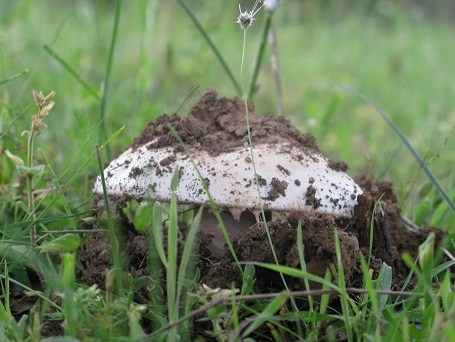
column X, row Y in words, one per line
column 449, row 255
column 412, row 226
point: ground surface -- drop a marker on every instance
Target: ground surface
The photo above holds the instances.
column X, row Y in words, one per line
column 218, row 125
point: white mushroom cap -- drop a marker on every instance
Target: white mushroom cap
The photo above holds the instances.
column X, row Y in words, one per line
column 291, row 179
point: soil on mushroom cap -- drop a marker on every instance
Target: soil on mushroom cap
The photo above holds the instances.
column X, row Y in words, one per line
column 217, row 125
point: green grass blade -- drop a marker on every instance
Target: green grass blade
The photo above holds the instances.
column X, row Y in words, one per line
column 171, row 270
column 157, row 232
column 212, row 46
column 56, row 183
column 384, row 283
column 110, row 57
column 290, row 271
column 188, row 251
column 45, row 220
column 185, row 271
column 70, row 310
column 72, row 72
column 156, row 260
column 300, row 249
column 406, row 142
column 36, row 293
column 373, row 214
column 76, row 174
column 327, row 115
column 12, row 78
column 113, row 234
column 324, row 303
column 371, row 297
column 266, row 314
column 258, row 63
column 24, row 254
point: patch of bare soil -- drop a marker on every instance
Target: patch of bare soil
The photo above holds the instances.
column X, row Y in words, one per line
column 217, row 124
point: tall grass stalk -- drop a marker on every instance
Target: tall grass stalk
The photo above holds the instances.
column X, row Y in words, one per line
column 105, row 85
column 258, row 61
column 12, row 78
column 72, row 72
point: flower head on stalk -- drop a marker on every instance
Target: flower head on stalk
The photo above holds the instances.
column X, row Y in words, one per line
column 245, row 19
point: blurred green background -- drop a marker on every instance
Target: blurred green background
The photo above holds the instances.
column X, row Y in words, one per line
column 401, row 54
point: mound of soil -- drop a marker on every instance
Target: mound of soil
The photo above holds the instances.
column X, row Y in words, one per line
column 217, row 125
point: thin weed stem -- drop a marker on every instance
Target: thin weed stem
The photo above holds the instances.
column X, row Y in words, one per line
column 250, row 144
column 406, row 143
column 12, row 78
column 29, row 181
column 256, row 178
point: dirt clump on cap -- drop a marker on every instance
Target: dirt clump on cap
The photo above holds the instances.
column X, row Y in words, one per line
column 218, row 125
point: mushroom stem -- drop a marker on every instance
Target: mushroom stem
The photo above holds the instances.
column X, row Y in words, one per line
column 209, row 225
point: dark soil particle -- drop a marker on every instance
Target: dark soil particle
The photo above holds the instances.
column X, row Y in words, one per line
column 311, row 197
column 278, row 189
column 338, row 166
column 218, row 125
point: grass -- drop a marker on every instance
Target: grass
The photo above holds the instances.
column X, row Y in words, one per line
column 124, row 64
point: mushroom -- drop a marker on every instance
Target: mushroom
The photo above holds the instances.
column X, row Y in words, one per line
column 289, row 179
column 292, row 174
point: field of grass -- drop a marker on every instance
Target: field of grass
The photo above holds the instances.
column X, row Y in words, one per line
column 106, row 78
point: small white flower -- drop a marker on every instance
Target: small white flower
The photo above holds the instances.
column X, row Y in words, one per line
column 245, row 19
column 271, row 5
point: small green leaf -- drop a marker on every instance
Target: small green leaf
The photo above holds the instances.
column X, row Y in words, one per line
column 35, row 171
column 217, row 312
column 426, row 255
column 383, row 283
column 64, row 243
